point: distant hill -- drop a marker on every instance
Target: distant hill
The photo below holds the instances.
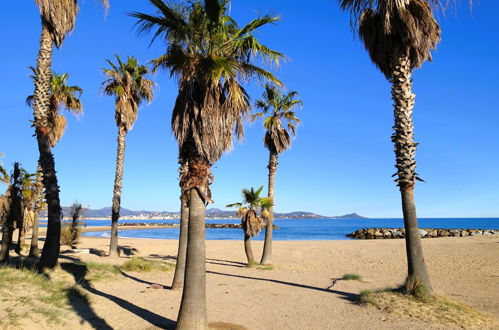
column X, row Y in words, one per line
column 211, row 213
column 350, row 216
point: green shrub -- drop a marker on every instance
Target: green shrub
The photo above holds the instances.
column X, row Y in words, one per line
column 352, row 277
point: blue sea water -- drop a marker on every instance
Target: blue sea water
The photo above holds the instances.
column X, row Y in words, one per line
column 296, row 229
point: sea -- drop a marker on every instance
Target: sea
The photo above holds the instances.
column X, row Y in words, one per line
column 294, row 229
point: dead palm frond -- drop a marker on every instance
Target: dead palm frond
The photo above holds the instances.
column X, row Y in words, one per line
column 60, row 16
column 387, row 27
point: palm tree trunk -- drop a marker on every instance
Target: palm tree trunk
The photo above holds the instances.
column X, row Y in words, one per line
column 6, row 240
column 248, row 250
column 33, row 250
column 118, row 179
column 178, row 278
column 41, row 108
column 267, row 246
column 192, row 313
column 405, row 151
column 21, row 238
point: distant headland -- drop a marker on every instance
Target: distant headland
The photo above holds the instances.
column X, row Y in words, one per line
column 211, row 213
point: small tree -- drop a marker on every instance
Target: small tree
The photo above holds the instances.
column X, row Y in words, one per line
column 11, row 206
column 71, row 233
column 252, row 222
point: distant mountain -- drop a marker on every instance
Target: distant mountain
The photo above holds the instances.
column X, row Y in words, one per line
column 350, row 216
column 211, row 213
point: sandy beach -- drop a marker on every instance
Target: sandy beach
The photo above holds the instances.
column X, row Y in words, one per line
column 294, row 294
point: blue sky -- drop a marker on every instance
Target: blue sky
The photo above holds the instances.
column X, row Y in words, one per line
column 342, row 159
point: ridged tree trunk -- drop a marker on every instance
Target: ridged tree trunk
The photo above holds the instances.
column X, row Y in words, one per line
column 118, row 179
column 192, row 313
column 405, row 152
column 21, row 238
column 248, row 250
column 267, row 246
column 33, row 250
column 178, row 278
column 41, row 108
column 7, row 230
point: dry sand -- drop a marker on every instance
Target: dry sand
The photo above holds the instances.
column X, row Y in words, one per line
column 294, row 294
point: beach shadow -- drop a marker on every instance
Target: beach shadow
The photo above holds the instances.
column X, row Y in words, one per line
column 79, row 272
column 226, row 262
column 208, row 261
column 136, row 279
column 97, row 252
column 127, row 250
column 351, row 297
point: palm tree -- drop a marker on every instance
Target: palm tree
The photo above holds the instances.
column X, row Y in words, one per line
column 279, row 108
column 399, row 37
column 28, row 199
column 61, row 97
column 211, row 56
column 58, row 18
column 251, row 222
column 11, row 208
column 38, row 207
column 127, row 83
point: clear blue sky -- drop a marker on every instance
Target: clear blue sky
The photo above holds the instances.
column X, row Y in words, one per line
column 342, row 159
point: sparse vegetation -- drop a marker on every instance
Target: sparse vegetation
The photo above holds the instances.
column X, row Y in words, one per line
column 435, row 310
column 45, row 298
column 137, row 264
column 265, row 267
column 352, row 277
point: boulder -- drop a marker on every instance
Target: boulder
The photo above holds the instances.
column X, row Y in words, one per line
column 422, row 233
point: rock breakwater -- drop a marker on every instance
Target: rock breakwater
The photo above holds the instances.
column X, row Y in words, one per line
column 176, row 225
column 393, row 233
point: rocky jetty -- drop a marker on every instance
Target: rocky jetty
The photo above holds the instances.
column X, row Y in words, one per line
column 176, row 225
column 392, row 233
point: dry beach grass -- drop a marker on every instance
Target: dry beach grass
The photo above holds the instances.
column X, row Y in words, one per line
column 294, row 294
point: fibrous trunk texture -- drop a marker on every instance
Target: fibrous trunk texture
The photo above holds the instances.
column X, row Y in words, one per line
column 118, row 179
column 7, row 230
column 405, row 152
column 267, row 246
column 41, row 108
column 33, row 250
column 178, row 278
column 192, row 313
column 21, row 236
column 248, row 250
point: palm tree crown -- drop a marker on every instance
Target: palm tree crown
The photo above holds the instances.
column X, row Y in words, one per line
column 247, row 210
column 388, row 26
column 62, row 96
column 60, row 16
column 211, row 56
column 279, row 107
column 17, row 201
column 126, row 81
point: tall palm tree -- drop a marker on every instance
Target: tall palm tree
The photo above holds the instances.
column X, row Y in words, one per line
column 280, row 122
column 251, row 221
column 57, row 18
column 11, row 208
column 178, row 277
column 399, row 36
column 211, row 56
column 127, row 82
column 61, row 97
